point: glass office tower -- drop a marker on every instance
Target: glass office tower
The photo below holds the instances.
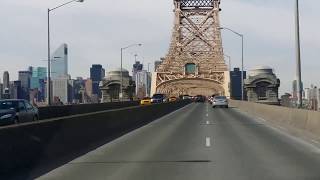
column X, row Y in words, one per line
column 59, row 62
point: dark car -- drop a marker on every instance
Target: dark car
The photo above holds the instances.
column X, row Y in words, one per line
column 159, row 98
column 199, row 98
column 17, row 111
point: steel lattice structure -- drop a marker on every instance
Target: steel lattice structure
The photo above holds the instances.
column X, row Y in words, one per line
column 197, row 3
column 196, row 39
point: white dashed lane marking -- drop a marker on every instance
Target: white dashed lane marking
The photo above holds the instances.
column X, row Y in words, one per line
column 208, row 142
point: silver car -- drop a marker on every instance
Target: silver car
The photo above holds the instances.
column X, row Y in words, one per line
column 220, row 101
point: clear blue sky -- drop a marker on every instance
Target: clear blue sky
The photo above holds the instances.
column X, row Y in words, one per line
column 95, row 30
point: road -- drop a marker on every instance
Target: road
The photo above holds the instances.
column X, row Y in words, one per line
column 199, row 142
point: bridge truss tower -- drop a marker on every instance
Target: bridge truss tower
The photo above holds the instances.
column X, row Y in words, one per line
column 195, row 61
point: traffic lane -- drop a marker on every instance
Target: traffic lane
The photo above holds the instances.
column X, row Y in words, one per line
column 173, row 147
column 248, row 149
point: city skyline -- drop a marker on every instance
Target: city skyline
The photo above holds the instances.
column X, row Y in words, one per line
column 149, row 89
column 271, row 36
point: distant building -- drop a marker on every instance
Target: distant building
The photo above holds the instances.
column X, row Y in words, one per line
column 110, row 86
column 38, row 73
column 143, row 84
column 6, row 80
column 78, row 84
column 235, row 84
column 88, row 87
column 286, row 100
column 38, row 83
column 1, row 90
column 33, row 94
column 295, row 92
column 156, row 64
column 262, row 86
column 318, row 97
column 17, row 90
column 6, row 93
column 314, row 96
column 70, row 91
column 137, row 66
column 59, row 75
column 60, row 90
column 59, row 64
column 25, row 79
column 97, row 73
column 307, row 94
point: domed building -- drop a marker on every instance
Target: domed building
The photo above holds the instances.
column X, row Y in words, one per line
column 262, row 86
column 110, row 86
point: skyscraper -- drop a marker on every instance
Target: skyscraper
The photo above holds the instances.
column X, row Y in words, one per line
column 60, row 90
column 88, row 87
column 6, row 79
column 59, row 64
column 143, row 84
column 37, row 84
column 25, row 79
column 87, row 95
column 79, row 84
column 137, row 66
column 38, row 73
column 1, row 90
column 17, row 91
column 97, row 73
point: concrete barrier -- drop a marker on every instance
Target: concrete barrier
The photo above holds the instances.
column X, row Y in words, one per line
column 60, row 111
column 30, row 150
column 305, row 121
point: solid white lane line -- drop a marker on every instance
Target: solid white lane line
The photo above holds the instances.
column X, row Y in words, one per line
column 208, row 142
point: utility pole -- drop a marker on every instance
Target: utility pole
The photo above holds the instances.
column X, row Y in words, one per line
column 298, row 54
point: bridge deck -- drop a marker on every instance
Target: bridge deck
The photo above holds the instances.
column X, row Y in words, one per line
column 198, row 142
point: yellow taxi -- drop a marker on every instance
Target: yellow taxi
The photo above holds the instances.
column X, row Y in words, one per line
column 172, row 99
column 145, row 101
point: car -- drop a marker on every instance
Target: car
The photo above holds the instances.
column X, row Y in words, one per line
column 186, row 97
column 16, row 111
column 172, row 99
column 220, row 101
column 159, row 98
column 199, row 98
column 145, row 101
column 210, row 99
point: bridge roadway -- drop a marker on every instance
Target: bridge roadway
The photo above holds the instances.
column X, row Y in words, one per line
column 198, row 142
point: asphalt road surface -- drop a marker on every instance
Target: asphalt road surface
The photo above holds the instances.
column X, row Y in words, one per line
column 198, row 142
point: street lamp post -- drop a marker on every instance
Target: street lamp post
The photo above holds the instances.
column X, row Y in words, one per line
column 49, row 52
column 121, row 68
column 298, row 54
column 242, row 59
